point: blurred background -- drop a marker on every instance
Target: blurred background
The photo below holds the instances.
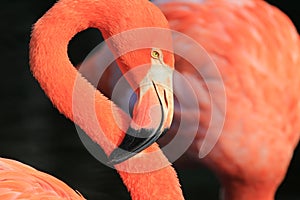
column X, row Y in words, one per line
column 33, row 132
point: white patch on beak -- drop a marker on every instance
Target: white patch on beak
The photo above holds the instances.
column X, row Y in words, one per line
column 160, row 76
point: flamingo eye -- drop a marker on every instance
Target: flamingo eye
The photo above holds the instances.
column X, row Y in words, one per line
column 155, row 54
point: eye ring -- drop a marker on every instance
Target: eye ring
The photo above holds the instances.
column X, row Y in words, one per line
column 155, row 54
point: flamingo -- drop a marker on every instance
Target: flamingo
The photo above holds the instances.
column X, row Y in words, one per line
column 20, row 181
column 60, row 80
column 256, row 49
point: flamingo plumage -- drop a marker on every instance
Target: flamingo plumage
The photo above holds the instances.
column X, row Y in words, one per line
column 52, row 68
column 256, row 49
column 20, row 181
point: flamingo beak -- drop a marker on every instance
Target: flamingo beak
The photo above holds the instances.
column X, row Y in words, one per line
column 152, row 114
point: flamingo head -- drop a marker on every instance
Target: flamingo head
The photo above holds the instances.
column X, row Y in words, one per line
column 151, row 79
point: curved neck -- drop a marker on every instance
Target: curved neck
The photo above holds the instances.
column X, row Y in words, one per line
column 73, row 96
column 76, row 98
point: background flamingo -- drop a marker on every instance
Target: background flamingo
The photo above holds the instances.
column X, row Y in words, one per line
column 32, row 137
column 255, row 147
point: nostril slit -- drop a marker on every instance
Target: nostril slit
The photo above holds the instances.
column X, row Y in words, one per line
column 165, row 97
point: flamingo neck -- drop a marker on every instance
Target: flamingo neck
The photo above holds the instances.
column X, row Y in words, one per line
column 72, row 95
column 77, row 99
column 239, row 190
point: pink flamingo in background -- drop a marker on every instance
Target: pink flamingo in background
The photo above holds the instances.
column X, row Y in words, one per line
column 257, row 51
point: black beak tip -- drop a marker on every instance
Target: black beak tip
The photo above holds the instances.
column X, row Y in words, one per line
column 132, row 145
column 134, row 142
column 119, row 155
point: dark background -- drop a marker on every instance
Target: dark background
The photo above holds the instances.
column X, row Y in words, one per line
column 33, row 132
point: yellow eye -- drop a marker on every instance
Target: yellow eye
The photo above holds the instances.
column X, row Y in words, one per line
column 154, row 54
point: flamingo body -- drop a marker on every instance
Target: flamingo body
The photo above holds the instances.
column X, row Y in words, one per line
column 256, row 49
column 20, row 181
